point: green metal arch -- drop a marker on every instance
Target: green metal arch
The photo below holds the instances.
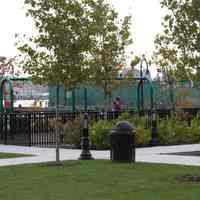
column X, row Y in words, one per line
column 139, row 103
column 3, row 81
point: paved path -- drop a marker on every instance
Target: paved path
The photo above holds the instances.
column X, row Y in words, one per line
column 150, row 155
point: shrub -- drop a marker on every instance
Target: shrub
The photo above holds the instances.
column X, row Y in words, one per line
column 101, row 130
column 142, row 136
column 100, row 134
column 125, row 117
column 172, row 131
column 176, row 131
column 195, row 130
column 72, row 131
column 134, row 120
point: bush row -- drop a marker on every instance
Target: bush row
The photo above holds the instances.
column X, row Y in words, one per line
column 170, row 131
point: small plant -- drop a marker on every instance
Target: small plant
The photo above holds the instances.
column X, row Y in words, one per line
column 72, row 131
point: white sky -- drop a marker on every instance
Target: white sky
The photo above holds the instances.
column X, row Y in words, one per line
column 146, row 15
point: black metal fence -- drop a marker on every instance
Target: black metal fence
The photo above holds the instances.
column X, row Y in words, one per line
column 36, row 129
column 30, row 128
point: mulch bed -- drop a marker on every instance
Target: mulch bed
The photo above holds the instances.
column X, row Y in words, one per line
column 188, row 178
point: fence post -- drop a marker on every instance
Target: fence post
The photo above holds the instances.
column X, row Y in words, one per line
column 29, row 129
column 85, row 99
column 5, row 123
column 73, row 100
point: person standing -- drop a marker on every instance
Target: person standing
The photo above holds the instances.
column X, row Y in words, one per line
column 117, row 106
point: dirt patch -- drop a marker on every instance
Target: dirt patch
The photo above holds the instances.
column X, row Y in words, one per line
column 188, row 178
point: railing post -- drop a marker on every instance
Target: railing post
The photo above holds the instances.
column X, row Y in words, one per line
column 29, row 129
column 5, row 128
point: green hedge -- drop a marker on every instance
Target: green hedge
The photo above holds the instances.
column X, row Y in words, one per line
column 175, row 131
column 101, row 130
column 171, row 131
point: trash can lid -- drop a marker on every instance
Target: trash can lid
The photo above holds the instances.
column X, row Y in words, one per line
column 123, row 127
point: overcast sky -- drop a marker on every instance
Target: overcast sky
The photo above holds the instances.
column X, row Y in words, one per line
column 146, row 14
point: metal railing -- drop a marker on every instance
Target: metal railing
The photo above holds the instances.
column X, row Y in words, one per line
column 37, row 128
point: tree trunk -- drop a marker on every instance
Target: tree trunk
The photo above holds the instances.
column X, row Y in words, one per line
column 57, row 128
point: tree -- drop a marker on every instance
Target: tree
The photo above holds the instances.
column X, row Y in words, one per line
column 76, row 42
column 7, row 67
column 196, row 7
column 112, row 36
column 135, row 61
column 178, row 47
column 57, row 54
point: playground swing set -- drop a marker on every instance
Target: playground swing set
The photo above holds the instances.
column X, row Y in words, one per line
column 7, row 94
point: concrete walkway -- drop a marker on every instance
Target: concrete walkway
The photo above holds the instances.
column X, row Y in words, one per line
column 150, row 155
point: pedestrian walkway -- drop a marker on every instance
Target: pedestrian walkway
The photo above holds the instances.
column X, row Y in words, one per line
column 149, row 155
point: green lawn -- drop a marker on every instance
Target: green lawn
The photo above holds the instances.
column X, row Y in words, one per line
column 97, row 180
column 12, row 155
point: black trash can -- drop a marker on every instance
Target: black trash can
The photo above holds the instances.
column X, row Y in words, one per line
column 122, row 143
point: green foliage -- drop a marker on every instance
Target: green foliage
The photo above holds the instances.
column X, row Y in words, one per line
column 101, row 130
column 142, row 136
column 100, row 134
column 7, row 66
column 134, row 120
column 125, row 117
column 76, row 42
column 135, row 61
column 176, row 131
column 108, row 52
column 177, row 48
column 172, row 131
column 195, row 130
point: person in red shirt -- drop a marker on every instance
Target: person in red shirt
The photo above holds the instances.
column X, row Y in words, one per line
column 117, row 106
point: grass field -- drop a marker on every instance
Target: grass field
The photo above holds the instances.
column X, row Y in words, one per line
column 97, row 180
column 12, row 155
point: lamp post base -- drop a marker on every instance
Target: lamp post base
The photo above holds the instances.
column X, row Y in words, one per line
column 154, row 142
column 86, row 155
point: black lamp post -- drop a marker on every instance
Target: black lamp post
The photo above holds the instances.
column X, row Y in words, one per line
column 85, row 141
column 154, row 132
